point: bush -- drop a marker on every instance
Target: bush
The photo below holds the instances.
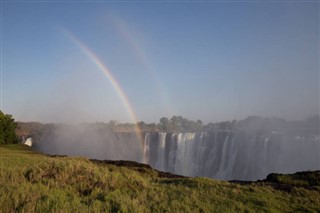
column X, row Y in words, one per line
column 7, row 129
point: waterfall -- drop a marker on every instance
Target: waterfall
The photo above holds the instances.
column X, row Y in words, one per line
column 161, row 151
column 146, row 148
column 231, row 155
column 28, row 142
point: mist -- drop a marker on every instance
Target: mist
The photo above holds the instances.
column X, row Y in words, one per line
column 88, row 140
column 247, row 149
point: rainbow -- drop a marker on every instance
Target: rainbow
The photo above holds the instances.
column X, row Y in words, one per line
column 115, row 84
column 122, row 29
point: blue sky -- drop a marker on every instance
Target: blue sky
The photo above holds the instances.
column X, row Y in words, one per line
column 212, row 61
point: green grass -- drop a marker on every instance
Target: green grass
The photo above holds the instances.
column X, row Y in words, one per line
column 34, row 182
column 298, row 179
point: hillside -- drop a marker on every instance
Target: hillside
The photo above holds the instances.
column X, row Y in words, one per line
column 31, row 181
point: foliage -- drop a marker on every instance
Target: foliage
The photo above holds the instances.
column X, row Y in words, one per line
column 33, row 182
column 179, row 124
column 298, row 179
column 7, row 129
column 311, row 125
column 147, row 127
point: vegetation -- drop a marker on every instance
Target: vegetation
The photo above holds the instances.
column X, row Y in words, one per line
column 305, row 179
column 179, row 124
column 31, row 181
column 309, row 126
column 7, row 129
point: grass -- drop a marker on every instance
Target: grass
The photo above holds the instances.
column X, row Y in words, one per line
column 34, row 182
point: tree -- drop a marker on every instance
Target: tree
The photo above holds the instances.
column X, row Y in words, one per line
column 142, row 125
column 112, row 124
column 177, row 123
column 164, row 124
column 7, row 129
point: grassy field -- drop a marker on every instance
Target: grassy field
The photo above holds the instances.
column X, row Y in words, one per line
column 34, row 182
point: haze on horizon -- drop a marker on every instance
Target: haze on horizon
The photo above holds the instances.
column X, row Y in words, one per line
column 212, row 61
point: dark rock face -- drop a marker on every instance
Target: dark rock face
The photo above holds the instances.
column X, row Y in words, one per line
column 122, row 163
column 140, row 167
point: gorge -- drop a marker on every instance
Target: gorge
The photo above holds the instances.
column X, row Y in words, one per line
column 244, row 152
column 248, row 149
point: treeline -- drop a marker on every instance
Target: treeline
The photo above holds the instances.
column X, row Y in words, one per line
column 7, row 129
column 180, row 124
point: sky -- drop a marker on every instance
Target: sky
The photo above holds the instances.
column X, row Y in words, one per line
column 88, row 61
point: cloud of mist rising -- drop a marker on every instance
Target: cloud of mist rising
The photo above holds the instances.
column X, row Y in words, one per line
column 90, row 141
column 282, row 146
column 248, row 149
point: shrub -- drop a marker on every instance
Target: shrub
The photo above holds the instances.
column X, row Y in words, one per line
column 7, row 129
